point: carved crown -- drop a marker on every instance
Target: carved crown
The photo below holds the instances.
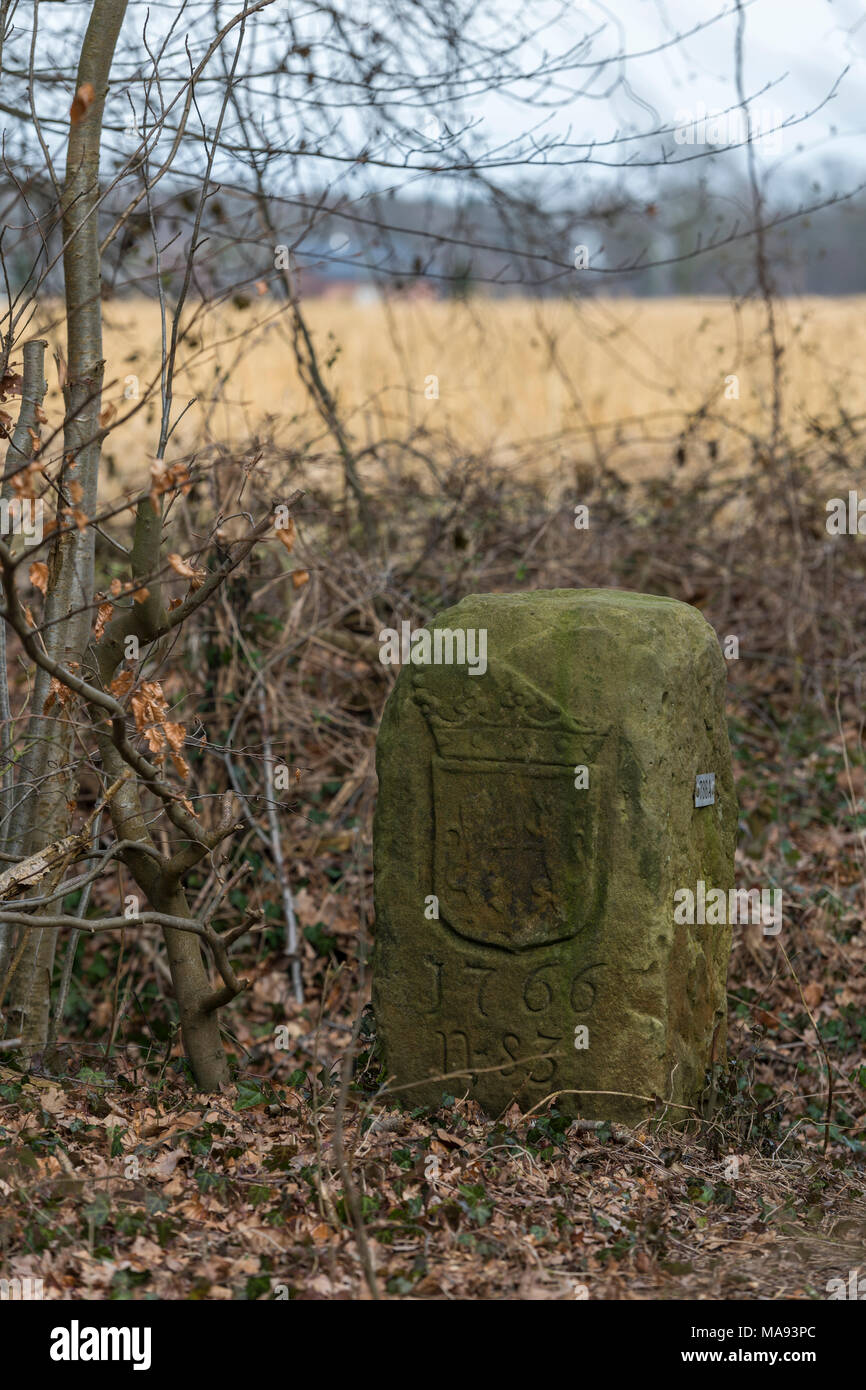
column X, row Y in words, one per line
column 501, row 716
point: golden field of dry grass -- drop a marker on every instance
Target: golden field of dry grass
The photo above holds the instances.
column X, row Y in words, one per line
column 516, row 379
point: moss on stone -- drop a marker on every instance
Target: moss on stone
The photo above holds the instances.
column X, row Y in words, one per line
column 555, row 904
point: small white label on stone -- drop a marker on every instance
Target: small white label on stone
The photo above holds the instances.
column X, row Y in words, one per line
column 705, row 788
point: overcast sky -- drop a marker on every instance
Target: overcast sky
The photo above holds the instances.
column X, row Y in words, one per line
column 800, row 45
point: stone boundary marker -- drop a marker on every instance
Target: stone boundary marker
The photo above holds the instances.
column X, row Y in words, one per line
column 534, row 821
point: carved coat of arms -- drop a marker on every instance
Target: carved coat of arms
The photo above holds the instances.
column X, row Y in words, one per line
column 516, row 858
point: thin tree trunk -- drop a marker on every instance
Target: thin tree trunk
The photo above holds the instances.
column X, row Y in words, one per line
column 18, row 455
column 189, row 974
column 47, row 783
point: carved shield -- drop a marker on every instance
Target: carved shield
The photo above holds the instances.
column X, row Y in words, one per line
column 515, row 863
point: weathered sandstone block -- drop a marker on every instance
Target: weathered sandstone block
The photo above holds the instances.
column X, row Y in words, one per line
column 545, row 810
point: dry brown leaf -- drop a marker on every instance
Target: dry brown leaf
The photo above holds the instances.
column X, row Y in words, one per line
column 149, row 706
column 121, row 684
column 56, row 691
column 176, row 735
column 152, row 702
column 11, row 384
column 107, row 414
column 155, row 739
column 163, row 1167
column 181, row 566
column 286, row 534
column 813, row 993
column 300, row 578
column 187, row 571
column 81, row 103
column 103, row 615
column 38, row 575
column 164, row 479
column 181, row 766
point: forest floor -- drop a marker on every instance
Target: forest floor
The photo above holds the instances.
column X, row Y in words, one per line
column 305, row 1179
column 118, row 1190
